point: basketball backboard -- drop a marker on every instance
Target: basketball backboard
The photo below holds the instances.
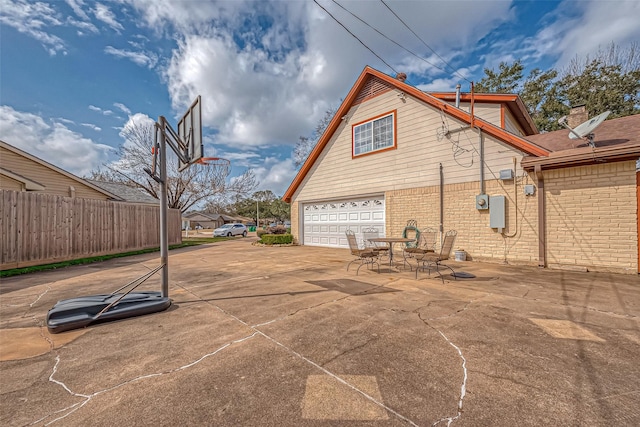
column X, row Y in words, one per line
column 190, row 132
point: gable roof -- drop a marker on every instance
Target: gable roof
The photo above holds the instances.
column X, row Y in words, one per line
column 372, row 82
column 615, row 140
column 48, row 165
column 126, row 193
column 512, row 101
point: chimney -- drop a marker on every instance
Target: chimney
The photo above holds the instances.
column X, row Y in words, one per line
column 401, row 76
column 577, row 115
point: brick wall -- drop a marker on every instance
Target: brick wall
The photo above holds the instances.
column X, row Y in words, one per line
column 295, row 221
column 591, row 217
column 516, row 245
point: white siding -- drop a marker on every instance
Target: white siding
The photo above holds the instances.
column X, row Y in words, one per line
column 421, row 147
column 487, row 112
column 511, row 125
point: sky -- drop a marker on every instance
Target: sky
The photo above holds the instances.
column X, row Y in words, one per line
column 73, row 73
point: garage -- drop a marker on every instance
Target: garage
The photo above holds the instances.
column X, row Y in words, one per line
column 325, row 223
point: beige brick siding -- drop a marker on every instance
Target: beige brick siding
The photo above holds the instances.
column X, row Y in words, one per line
column 474, row 234
column 295, row 221
column 591, row 217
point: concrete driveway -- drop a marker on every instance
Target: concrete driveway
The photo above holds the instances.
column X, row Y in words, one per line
column 285, row 336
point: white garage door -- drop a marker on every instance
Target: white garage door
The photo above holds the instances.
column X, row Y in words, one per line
column 326, row 222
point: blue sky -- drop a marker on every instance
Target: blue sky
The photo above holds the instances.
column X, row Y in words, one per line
column 74, row 72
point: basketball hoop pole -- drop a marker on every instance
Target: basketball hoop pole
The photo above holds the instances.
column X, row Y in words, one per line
column 164, row 210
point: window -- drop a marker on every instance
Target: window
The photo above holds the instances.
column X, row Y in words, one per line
column 374, row 135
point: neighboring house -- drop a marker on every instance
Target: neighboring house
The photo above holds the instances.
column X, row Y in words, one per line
column 21, row 171
column 393, row 153
column 50, row 215
column 125, row 192
column 205, row 220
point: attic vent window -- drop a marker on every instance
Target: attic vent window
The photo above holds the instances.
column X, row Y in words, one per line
column 374, row 135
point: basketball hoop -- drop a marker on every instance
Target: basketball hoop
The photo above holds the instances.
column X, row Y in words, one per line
column 218, row 168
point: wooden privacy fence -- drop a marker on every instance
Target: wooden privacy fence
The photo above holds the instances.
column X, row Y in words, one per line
column 42, row 228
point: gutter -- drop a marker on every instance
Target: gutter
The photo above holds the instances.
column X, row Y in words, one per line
column 582, row 156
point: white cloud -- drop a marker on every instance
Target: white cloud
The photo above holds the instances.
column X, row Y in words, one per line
column 77, row 5
column 143, row 59
column 32, row 19
column 104, row 14
column 91, row 126
column 122, row 108
column 582, row 28
column 52, row 142
column 82, row 25
column 100, row 110
column 276, row 82
column 136, row 121
column 275, row 175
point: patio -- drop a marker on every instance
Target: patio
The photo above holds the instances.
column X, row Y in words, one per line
column 285, row 336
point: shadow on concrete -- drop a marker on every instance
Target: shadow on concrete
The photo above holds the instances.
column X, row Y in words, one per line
column 251, row 296
column 351, row 287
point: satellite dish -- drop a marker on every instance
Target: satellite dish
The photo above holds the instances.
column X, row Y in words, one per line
column 585, row 130
column 589, row 126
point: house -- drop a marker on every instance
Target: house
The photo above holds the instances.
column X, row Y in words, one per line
column 125, row 192
column 21, row 171
column 205, row 220
column 393, row 153
column 49, row 215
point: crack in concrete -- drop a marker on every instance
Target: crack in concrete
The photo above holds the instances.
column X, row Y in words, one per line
column 511, row 380
column 313, row 306
column 342, row 381
column 87, row 397
column 349, row 350
column 463, row 387
column 577, row 307
column 311, row 362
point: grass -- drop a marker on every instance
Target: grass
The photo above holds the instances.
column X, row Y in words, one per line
column 186, row 242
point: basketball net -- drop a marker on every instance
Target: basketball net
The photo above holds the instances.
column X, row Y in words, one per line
column 217, row 169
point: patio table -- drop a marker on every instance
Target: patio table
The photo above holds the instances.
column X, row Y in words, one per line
column 391, row 241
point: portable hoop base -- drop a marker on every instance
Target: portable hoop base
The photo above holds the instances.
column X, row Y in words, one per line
column 80, row 312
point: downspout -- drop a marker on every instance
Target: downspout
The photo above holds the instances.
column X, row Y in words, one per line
column 441, row 203
column 481, row 143
column 471, row 110
column 515, row 197
column 542, row 213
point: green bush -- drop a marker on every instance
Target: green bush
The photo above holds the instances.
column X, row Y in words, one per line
column 278, row 229
column 277, row 239
column 260, row 232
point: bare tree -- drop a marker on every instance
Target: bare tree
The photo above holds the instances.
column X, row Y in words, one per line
column 198, row 183
column 305, row 145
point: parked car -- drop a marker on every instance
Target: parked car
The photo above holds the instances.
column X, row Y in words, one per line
column 231, row 229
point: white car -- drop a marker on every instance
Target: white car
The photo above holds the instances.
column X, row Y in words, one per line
column 232, row 229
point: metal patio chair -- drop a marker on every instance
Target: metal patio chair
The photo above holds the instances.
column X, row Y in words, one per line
column 371, row 233
column 364, row 256
column 427, row 243
column 434, row 260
